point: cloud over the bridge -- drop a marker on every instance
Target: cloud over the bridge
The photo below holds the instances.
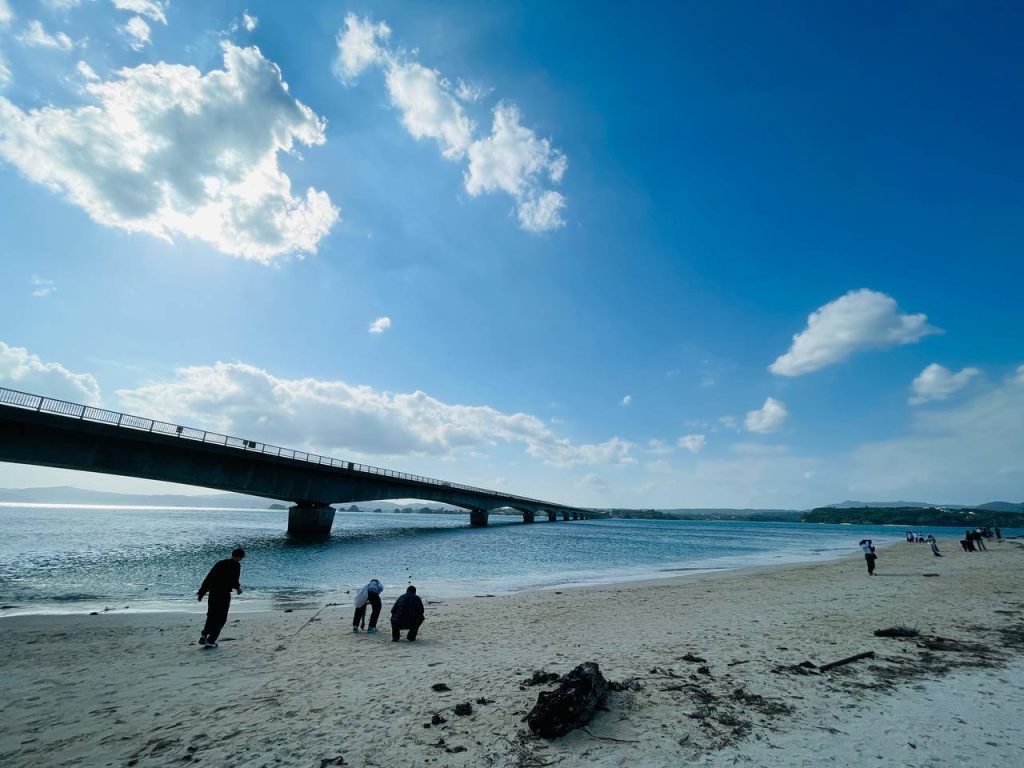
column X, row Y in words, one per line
column 338, row 418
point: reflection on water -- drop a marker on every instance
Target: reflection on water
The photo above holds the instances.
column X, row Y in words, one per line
column 154, row 559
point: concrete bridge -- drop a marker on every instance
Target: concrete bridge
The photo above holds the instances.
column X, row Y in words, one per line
column 56, row 433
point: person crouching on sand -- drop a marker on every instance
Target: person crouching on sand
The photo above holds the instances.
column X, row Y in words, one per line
column 368, row 594
column 222, row 578
column 869, row 555
column 406, row 613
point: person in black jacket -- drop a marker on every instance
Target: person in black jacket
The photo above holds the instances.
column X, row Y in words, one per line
column 222, row 578
column 406, row 613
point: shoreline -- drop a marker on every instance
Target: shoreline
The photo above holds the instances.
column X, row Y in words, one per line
column 135, row 689
column 263, row 604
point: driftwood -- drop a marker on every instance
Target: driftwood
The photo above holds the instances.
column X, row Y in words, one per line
column 897, row 631
column 847, row 660
column 571, row 705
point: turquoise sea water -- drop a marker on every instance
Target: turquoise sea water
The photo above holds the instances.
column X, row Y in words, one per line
column 81, row 559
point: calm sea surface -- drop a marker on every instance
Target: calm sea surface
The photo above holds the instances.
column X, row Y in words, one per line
column 81, row 559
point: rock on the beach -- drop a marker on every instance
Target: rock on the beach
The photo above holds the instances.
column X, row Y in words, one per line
column 464, row 709
column 571, row 705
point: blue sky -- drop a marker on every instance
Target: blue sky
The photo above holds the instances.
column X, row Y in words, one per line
column 723, row 254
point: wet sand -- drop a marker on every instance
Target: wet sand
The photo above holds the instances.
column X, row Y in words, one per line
column 134, row 689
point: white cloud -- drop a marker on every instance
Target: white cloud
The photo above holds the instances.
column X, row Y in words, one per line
column 41, row 286
column 87, row 72
column 5, row 71
column 155, row 10
column 627, row 400
column 6, row 14
column 36, row 36
column 936, row 382
column 470, row 93
column 337, row 418
column 137, row 32
column 360, row 44
column 167, row 150
column 769, row 418
column 380, row 325
column 26, row 372
column 514, row 160
column 511, row 159
column 250, row 22
column 859, row 320
column 429, row 110
column 693, row 443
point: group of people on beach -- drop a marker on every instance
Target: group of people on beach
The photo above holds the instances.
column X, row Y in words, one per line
column 974, row 541
column 407, row 612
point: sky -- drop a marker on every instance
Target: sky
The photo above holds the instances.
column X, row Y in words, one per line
column 727, row 254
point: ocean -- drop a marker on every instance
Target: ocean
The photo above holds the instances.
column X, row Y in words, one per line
column 79, row 559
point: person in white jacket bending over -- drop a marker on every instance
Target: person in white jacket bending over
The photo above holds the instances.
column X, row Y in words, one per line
column 368, row 594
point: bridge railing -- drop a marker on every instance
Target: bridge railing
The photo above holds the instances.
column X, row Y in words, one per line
column 27, row 401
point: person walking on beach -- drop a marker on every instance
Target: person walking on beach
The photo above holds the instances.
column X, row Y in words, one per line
column 368, row 594
column 222, row 578
column 869, row 555
column 934, row 545
column 406, row 613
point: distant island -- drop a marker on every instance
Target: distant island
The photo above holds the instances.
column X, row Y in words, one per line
column 916, row 516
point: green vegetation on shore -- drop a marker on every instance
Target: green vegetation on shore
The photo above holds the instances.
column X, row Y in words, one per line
column 914, row 516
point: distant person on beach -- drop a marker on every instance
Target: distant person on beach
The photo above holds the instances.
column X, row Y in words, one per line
column 406, row 613
column 979, row 540
column 934, row 545
column 969, row 538
column 869, row 555
column 368, row 594
column 999, row 535
column 222, row 578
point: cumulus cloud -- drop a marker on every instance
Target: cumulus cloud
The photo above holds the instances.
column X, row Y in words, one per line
column 21, row 370
column 360, row 44
column 937, row 382
column 429, row 110
column 336, row 417
column 512, row 158
column 137, row 32
column 167, row 150
column 41, row 286
column 627, row 400
column 693, row 443
column 250, row 22
column 5, row 71
column 87, row 72
column 36, row 36
column 859, row 320
column 155, row 10
column 6, row 14
column 770, row 417
column 380, row 325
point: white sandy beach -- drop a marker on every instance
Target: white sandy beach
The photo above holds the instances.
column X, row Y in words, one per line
column 135, row 689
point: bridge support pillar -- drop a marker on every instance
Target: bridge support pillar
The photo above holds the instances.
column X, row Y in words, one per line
column 310, row 520
column 565, row 515
column 528, row 517
column 575, row 515
column 552, row 517
column 478, row 518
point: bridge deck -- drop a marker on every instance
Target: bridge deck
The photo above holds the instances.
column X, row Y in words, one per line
column 48, row 432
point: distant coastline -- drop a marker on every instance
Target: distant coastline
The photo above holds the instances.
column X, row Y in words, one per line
column 909, row 513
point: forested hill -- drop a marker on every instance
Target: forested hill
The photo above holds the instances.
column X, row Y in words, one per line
column 960, row 518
